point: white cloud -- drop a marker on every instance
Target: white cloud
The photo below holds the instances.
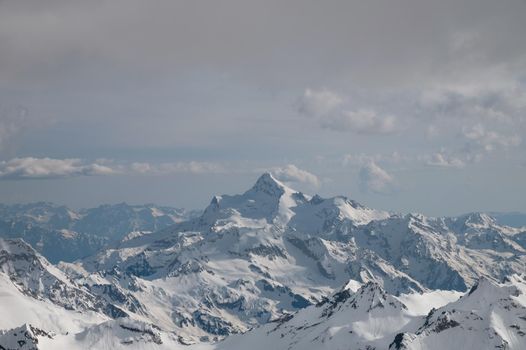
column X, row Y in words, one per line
column 441, row 159
column 375, row 179
column 39, row 168
column 291, row 173
column 316, row 103
column 141, row 168
column 47, row 168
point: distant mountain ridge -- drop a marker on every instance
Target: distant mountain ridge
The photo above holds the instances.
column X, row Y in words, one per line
column 61, row 233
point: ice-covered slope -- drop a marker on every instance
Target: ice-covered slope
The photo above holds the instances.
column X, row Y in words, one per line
column 42, row 308
column 117, row 334
column 32, row 275
column 367, row 318
column 489, row 316
column 443, row 253
column 324, row 216
column 38, row 300
column 356, row 316
column 123, row 334
column 24, row 337
column 19, row 308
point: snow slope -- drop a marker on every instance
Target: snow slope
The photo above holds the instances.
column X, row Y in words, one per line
column 489, row 316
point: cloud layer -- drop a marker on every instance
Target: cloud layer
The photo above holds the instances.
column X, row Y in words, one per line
column 373, row 42
column 48, row 168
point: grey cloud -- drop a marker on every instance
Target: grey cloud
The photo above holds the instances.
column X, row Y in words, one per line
column 192, row 167
column 362, row 159
column 503, row 103
column 363, row 121
column 331, row 112
column 374, row 42
column 442, row 158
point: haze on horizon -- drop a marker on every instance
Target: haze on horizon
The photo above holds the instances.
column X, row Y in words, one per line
column 410, row 106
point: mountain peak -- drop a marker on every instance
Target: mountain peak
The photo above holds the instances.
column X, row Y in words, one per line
column 478, row 220
column 268, row 198
column 372, row 296
column 269, row 185
column 484, row 286
column 16, row 247
column 23, row 338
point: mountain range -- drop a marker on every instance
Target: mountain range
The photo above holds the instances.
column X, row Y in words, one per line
column 63, row 234
column 269, row 267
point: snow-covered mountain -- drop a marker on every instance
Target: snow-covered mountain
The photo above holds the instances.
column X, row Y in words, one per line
column 34, row 276
column 489, row 316
column 255, row 259
column 24, row 337
column 63, row 234
column 366, row 318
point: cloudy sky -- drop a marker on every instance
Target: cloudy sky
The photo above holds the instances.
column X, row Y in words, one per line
column 406, row 105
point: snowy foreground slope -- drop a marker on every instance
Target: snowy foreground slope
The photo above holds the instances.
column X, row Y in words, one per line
column 489, row 316
column 253, row 260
